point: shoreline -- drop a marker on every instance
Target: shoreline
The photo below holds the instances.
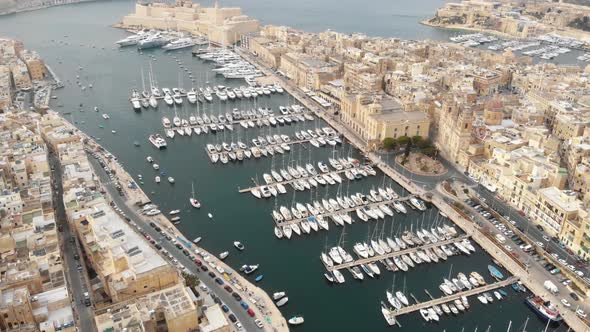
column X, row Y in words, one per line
column 494, row 250
column 250, row 291
column 24, row 10
column 427, row 22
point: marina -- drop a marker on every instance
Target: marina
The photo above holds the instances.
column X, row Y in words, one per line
column 450, row 298
column 328, row 210
column 378, row 258
column 305, row 179
column 309, row 294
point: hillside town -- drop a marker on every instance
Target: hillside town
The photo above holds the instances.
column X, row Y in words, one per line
column 83, row 248
column 515, row 19
column 519, row 128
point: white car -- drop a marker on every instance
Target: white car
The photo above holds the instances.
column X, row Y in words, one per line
column 238, row 325
column 540, row 244
column 556, row 256
column 258, row 323
column 509, row 248
column 580, row 273
column 581, row 313
column 565, row 303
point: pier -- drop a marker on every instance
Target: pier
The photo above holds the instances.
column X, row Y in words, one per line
column 284, row 182
column 266, row 147
column 453, row 297
column 259, row 121
column 377, row 258
column 345, row 211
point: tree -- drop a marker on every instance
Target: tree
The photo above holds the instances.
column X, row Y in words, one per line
column 403, row 140
column 416, row 140
column 389, row 143
column 424, row 143
column 191, row 280
column 408, row 148
column 430, row 151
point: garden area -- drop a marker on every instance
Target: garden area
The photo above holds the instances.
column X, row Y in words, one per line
column 419, row 155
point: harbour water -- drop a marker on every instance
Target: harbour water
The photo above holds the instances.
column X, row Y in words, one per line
column 77, row 36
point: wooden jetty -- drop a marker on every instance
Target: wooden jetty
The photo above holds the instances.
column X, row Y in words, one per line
column 396, row 253
column 345, row 211
column 284, row 182
column 253, row 119
column 291, row 142
column 453, row 297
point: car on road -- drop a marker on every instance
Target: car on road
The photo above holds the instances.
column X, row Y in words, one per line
column 581, row 313
column 198, row 262
column 539, row 227
column 244, row 305
column 211, row 274
column 237, row 296
column 227, row 288
column 580, row 273
column 219, row 281
column 540, row 244
column 251, row 312
column 204, row 268
column 565, row 303
column 258, row 323
column 239, row 326
column 574, row 296
column 508, row 248
column 546, row 238
column 232, row 318
column 225, row 308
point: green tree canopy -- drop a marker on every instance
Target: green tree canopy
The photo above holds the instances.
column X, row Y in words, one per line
column 389, row 143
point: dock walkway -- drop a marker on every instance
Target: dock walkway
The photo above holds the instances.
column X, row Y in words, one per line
column 450, row 298
column 284, row 182
column 345, row 211
column 291, row 142
column 396, row 253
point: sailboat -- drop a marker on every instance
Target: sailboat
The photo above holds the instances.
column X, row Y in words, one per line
column 194, row 202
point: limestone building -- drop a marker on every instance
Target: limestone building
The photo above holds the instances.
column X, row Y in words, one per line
column 224, row 26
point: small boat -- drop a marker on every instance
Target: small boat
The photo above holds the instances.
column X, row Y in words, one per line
column 247, row 269
column 197, row 240
column 175, row 220
column 173, row 212
column 223, row 255
column 210, row 215
column 239, row 245
column 296, row 320
column 329, row 277
column 282, row 301
column 194, row 202
column 494, row 272
column 170, row 179
column 157, row 179
column 258, row 278
column 278, row 295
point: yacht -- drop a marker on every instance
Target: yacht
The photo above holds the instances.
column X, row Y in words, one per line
column 179, row 44
column 132, row 40
column 239, row 245
column 152, row 42
column 192, row 96
column 194, row 202
column 158, row 141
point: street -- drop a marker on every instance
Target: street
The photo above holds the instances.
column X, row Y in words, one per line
column 222, row 294
column 77, row 280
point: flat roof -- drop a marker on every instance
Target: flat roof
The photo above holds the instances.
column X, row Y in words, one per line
column 215, row 319
column 112, row 232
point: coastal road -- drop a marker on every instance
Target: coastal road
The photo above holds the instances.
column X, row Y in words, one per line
column 142, row 225
column 535, row 270
column 77, row 280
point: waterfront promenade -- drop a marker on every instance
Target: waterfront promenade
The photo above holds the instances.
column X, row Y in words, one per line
column 531, row 281
column 130, row 202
